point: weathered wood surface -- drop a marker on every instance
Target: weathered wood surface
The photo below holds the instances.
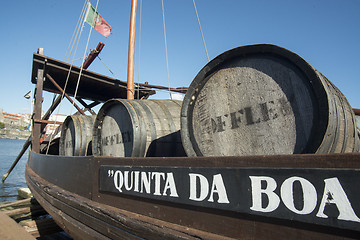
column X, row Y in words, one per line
column 263, row 99
column 15, row 203
column 37, row 128
column 76, row 135
column 93, row 86
column 138, row 128
column 33, row 210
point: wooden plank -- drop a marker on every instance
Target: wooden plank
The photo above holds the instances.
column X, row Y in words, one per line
column 34, row 210
column 43, row 164
column 10, row 230
column 73, row 227
column 47, row 122
column 36, row 133
column 93, row 86
column 16, row 203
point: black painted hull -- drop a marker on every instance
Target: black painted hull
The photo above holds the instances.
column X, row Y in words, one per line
column 74, row 191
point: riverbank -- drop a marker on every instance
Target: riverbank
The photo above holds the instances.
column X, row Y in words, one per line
column 14, row 134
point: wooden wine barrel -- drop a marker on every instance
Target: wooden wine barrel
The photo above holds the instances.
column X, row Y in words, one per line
column 264, row 99
column 76, row 135
column 357, row 120
column 138, row 128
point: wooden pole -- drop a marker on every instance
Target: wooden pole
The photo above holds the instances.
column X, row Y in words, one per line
column 93, row 54
column 65, row 94
column 36, row 131
column 130, row 77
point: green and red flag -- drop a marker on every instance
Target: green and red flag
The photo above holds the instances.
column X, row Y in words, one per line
column 94, row 19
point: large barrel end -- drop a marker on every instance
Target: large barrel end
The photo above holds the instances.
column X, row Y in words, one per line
column 264, row 99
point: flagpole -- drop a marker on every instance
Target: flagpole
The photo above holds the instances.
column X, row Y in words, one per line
column 130, row 77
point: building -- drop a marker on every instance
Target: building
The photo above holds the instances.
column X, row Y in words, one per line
column 58, row 119
column 20, row 121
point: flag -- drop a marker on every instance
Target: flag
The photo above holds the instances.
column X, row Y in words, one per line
column 94, row 19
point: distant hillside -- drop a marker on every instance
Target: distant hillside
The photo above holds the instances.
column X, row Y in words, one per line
column 14, row 133
column 14, row 126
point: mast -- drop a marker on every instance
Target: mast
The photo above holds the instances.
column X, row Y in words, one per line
column 130, row 77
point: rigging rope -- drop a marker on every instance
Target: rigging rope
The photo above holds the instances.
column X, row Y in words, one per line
column 76, row 39
column 81, row 68
column 106, row 67
column 166, row 53
column 77, row 29
column 202, row 35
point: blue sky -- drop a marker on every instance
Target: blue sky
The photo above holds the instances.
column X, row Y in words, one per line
column 325, row 33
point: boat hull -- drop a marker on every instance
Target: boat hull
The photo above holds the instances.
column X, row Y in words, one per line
column 77, row 193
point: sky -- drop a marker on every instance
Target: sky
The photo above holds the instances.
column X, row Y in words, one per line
column 325, row 33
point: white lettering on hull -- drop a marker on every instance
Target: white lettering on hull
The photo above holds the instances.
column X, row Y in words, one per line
column 333, row 193
column 312, row 198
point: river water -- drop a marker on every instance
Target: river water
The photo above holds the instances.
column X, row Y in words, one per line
column 9, row 150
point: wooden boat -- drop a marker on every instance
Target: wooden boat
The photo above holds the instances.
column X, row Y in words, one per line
column 281, row 196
